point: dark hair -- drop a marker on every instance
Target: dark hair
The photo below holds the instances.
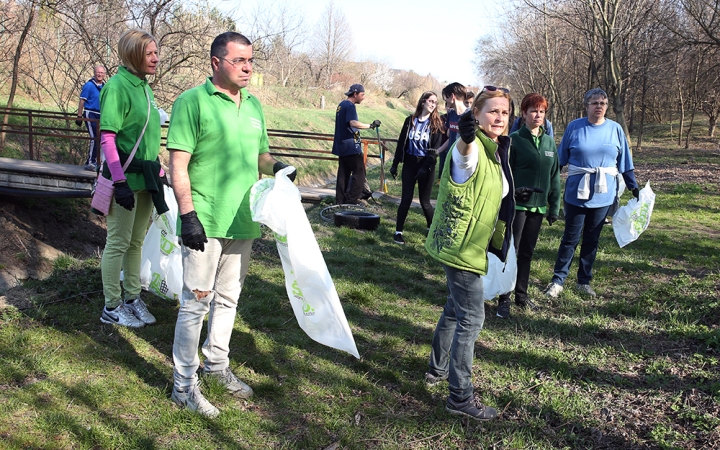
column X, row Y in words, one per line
column 219, row 45
column 454, row 88
column 469, row 95
column 436, row 123
column 533, row 100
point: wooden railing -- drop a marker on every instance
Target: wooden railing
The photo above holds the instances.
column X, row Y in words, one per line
column 59, row 125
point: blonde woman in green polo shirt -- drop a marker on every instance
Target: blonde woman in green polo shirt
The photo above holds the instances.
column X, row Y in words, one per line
column 129, row 119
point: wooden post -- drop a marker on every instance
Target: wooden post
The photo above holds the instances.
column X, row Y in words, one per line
column 30, row 134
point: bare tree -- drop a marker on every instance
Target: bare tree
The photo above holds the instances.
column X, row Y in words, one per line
column 332, row 44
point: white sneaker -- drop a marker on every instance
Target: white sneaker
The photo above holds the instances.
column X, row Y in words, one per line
column 231, row 382
column 140, row 310
column 553, row 290
column 586, row 289
column 192, row 399
column 121, row 316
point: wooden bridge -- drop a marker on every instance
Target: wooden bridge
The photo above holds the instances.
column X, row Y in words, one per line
column 34, row 178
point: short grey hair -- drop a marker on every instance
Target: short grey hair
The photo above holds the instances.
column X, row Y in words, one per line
column 594, row 92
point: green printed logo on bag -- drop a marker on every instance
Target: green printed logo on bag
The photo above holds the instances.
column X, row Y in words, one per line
column 166, row 245
column 307, row 309
column 280, row 238
column 160, row 287
column 641, row 218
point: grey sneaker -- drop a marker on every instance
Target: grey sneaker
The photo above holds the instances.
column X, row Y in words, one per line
column 586, row 289
column 432, row 380
column 121, row 316
column 231, row 383
column 192, row 399
column 140, row 310
column 553, row 290
column 472, row 408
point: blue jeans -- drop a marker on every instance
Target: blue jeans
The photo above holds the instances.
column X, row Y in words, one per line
column 579, row 222
column 453, row 343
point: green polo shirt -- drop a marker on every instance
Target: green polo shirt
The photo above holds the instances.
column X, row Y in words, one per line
column 225, row 142
column 123, row 110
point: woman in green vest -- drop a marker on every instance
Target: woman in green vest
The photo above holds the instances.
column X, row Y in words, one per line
column 474, row 210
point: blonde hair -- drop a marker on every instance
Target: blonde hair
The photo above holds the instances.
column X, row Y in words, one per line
column 131, row 48
column 486, row 94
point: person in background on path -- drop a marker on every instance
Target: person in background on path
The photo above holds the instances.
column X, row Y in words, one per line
column 595, row 150
column 473, row 215
column 125, row 102
column 534, row 164
column 212, row 171
column 454, row 96
column 89, row 108
column 417, row 146
column 469, row 98
column 350, row 182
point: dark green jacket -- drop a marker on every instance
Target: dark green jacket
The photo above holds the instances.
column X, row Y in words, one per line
column 534, row 166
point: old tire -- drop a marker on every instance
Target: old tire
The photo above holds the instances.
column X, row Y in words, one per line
column 357, row 219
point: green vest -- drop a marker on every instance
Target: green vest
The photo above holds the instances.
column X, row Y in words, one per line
column 466, row 214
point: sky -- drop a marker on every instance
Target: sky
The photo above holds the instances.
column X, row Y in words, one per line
column 406, row 34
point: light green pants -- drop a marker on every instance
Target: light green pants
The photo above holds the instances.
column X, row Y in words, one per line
column 123, row 248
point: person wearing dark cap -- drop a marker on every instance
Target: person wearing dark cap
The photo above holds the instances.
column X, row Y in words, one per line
column 347, row 146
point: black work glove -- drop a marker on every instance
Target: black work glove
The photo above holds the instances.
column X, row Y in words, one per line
column 278, row 166
column 522, row 194
column 393, row 171
column 467, row 127
column 552, row 218
column 431, row 152
column 636, row 193
column 164, row 180
column 124, row 196
column 375, row 124
column 192, row 234
column 78, row 123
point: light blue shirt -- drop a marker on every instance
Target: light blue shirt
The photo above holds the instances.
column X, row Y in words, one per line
column 586, row 145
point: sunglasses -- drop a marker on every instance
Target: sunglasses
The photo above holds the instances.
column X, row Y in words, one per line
column 493, row 89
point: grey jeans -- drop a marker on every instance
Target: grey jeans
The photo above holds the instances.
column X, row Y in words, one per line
column 453, row 344
column 218, row 272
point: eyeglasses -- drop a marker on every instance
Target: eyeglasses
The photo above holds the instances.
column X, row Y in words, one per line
column 493, row 89
column 241, row 61
column 598, row 103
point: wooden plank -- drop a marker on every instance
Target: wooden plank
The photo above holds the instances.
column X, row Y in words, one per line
column 45, row 169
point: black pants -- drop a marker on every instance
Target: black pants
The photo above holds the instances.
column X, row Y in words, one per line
column 350, row 179
column 526, row 229
column 420, row 170
column 93, row 130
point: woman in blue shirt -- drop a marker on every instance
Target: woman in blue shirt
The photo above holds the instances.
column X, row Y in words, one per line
column 595, row 150
column 417, row 147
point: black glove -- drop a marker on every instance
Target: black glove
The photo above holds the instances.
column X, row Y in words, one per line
column 278, row 166
column 164, row 180
column 192, row 234
column 124, row 196
column 467, row 127
column 431, row 152
column 552, row 218
column 375, row 124
column 393, row 171
column 522, row 194
column 79, row 122
column 636, row 193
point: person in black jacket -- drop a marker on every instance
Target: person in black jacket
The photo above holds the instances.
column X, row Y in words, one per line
column 417, row 147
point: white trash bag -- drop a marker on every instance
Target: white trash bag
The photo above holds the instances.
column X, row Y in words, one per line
column 632, row 219
column 161, row 271
column 500, row 277
column 276, row 203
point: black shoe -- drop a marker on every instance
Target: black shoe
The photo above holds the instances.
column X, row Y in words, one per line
column 503, row 309
column 472, row 407
column 527, row 304
column 398, row 239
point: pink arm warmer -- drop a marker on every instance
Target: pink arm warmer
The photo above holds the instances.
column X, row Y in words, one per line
column 109, row 149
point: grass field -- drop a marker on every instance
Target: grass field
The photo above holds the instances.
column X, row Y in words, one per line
column 637, row 367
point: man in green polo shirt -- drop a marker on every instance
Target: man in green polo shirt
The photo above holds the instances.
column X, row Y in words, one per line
column 218, row 143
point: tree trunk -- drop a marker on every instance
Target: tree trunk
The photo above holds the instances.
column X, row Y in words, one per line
column 16, row 67
column 643, row 107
